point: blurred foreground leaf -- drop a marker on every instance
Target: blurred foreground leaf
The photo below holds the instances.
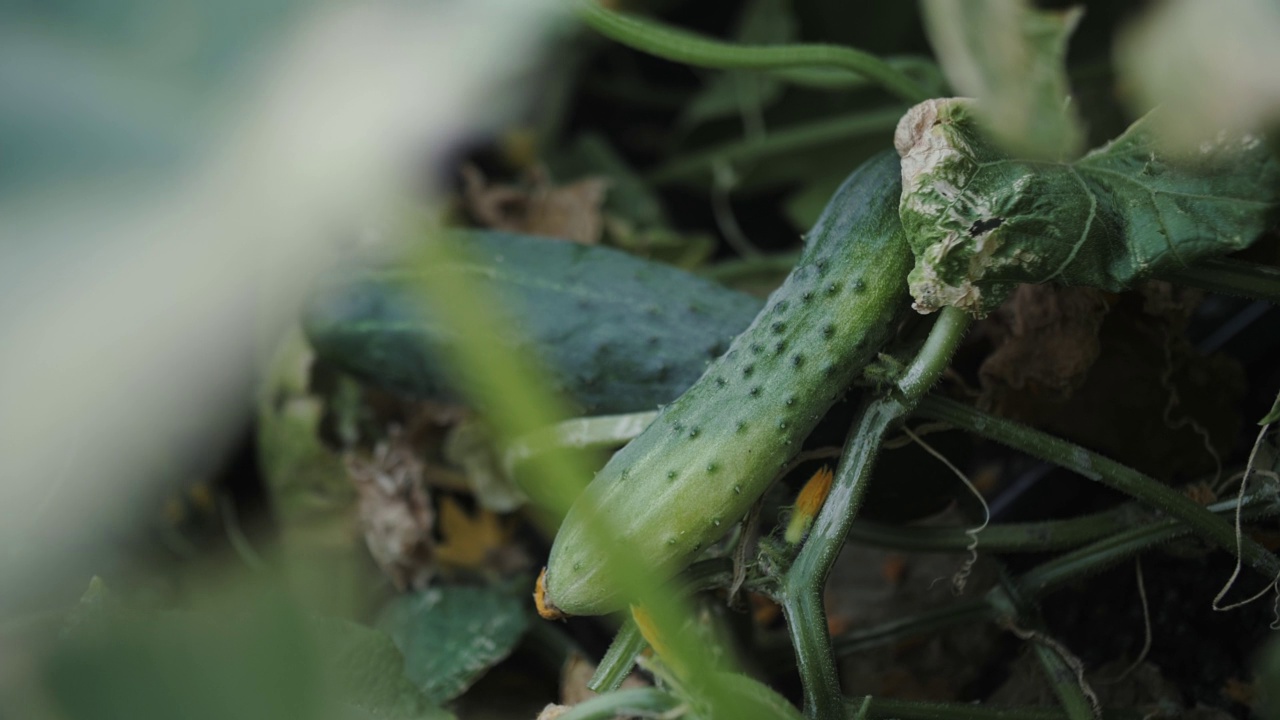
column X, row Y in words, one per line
column 980, row 223
column 1011, row 57
column 1212, row 65
column 451, row 635
column 265, row 661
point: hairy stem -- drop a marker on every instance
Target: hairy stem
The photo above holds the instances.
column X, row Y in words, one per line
column 1117, row 548
column 618, row 660
column 1041, row 580
column 1065, row 682
column 803, row 583
column 690, row 48
column 1105, row 470
column 1000, row 538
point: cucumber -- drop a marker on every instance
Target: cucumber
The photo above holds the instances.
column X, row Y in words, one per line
column 617, row 333
column 685, row 481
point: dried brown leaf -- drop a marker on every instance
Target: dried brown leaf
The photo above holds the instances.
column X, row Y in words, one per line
column 1048, row 340
column 538, row 207
column 1171, row 410
column 395, row 511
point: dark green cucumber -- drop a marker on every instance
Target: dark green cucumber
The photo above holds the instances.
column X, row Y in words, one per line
column 617, row 333
column 698, row 468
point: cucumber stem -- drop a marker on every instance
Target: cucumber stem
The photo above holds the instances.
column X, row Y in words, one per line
column 1105, row 470
column 618, row 660
column 1042, row 579
column 1231, row 277
column 933, row 358
column 690, row 48
column 998, row 538
column 1035, row 537
column 1066, row 683
column 779, row 142
column 801, row 587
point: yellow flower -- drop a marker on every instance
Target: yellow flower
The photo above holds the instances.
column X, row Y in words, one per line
column 812, row 495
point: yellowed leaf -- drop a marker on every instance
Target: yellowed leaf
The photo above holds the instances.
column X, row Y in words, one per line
column 475, row 541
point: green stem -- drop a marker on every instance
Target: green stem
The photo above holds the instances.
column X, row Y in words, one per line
column 933, row 358
column 779, row 142
column 1105, row 470
column 640, row 701
column 618, row 660
column 923, row 70
column 1112, row 550
column 599, row 431
column 1041, row 580
column 1034, row 537
column 1075, row 705
column 917, row 710
column 929, row 621
column 802, row 586
column 690, row 48
column 1232, row 277
column 803, row 583
column 1004, row 538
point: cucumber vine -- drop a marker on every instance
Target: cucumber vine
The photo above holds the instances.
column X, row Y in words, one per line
column 930, row 197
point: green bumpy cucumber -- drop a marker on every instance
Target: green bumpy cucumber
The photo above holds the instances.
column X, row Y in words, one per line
column 693, row 473
column 615, row 332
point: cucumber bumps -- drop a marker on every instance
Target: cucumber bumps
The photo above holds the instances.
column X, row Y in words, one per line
column 698, row 468
column 615, row 332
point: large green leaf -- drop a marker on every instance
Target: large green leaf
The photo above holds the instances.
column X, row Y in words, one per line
column 1011, row 57
column 451, row 635
column 980, row 223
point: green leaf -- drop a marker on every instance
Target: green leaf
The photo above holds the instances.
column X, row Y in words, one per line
column 629, row 197
column 306, row 479
column 261, row 662
column 451, row 635
column 1274, row 415
column 980, row 223
column 1011, row 57
column 368, row 671
column 763, row 22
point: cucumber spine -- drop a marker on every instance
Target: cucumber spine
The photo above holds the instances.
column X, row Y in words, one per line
column 684, row 481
